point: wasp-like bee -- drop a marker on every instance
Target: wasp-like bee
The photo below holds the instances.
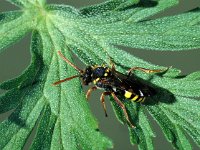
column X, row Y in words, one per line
column 113, row 83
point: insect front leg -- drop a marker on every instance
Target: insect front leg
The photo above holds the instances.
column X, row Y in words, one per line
column 123, row 108
column 143, row 70
column 103, row 101
column 90, row 91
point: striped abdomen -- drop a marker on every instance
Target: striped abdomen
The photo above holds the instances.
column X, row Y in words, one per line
column 134, row 97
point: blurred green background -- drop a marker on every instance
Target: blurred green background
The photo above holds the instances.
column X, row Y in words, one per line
column 17, row 57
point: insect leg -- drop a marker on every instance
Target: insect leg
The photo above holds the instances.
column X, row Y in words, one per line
column 123, row 108
column 103, row 101
column 144, row 70
column 89, row 91
column 112, row 66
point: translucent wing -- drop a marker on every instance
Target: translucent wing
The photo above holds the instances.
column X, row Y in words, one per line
column 132, row 84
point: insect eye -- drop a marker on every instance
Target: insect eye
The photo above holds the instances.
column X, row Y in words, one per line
column 88, row 70
column 86, row 80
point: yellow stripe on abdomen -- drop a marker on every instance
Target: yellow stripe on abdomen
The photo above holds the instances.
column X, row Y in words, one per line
column 141, row 99
column 131, row 96
column 135, row 97
column 127, row 94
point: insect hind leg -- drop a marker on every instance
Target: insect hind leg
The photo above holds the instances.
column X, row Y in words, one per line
column 143, row 70
column 90, row 91
column 123, row 108
column 103, row 101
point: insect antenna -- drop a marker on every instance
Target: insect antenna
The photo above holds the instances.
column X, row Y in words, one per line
column 71, row 64
column 66, row 79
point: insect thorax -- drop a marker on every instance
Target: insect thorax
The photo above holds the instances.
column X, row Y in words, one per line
column 94, row 74
column 100, row 73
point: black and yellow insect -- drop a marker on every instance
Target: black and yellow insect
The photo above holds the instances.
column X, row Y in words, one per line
column 113, row 83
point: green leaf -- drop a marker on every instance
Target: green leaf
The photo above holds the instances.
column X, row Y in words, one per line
column 18, row 3
column 27, row 3
column 35, row 107
column 60, row 114
column 134, row 10
column 144, row 133
column 13, row 26
column 173, row 132
column 179, row 32
column 108, row 6
column 127, row 4
column 149, row 8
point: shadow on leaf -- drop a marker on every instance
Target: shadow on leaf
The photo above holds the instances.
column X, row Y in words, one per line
column 15, row 118
column 144, row 4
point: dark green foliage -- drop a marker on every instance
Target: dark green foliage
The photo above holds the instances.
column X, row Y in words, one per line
column 63, row 120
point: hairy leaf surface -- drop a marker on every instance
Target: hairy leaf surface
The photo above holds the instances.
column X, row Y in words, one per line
column 60, row 114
